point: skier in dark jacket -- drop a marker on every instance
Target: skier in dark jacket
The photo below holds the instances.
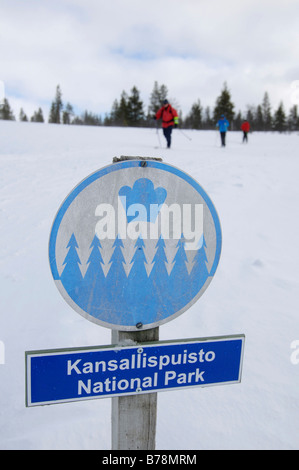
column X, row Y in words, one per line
column 223, row 124
column 169, row 118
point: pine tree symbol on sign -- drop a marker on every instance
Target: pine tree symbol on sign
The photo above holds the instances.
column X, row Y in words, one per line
column 71, row 276
column 159, row 291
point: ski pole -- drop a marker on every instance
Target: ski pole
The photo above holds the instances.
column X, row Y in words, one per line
column 158, row 135
column 187, row 137
column 216, row 137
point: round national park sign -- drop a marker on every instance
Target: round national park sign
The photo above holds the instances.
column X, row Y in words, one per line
column 134, row 245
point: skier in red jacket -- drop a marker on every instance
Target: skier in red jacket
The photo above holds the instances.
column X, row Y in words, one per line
column 169, row 118
column 245, row 127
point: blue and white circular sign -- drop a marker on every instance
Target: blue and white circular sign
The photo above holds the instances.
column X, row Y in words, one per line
column 134, row 245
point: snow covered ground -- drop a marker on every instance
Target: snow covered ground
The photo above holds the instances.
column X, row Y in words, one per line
column 255, row 290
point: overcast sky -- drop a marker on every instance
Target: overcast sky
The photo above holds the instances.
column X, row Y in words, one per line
column 94, row 49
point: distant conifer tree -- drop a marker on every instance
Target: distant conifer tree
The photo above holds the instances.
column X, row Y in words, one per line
column 37, row 116
column 22, row 116
column 194, row 118
column 224, row 105
column 135, row 112
column 67, row 114
column 157, row 96
column 56, row 107
column 266, row 109
column 279, row 120
column 6, row 112
column 293, row 119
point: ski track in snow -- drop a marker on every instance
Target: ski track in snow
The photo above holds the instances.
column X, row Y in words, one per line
column 255, row 290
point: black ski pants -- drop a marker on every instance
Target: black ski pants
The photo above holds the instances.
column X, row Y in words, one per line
column 167, row 134
column 223, row 135
column 245, row 137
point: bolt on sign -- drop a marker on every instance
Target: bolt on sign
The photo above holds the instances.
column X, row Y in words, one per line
column 134, row 245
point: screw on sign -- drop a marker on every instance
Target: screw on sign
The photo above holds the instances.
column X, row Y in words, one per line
column 134, row 245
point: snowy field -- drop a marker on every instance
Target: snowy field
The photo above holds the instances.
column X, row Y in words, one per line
column 255, row 290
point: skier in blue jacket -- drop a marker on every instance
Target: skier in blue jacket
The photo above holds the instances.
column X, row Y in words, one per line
column 223, row 125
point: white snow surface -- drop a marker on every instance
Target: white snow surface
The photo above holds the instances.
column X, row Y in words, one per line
column 255, row 291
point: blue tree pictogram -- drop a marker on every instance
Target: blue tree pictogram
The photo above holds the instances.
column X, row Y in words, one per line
column 93, row 285
column 179, row 276
column 116, row 281
column 199, row 273
column 137, row 291
column 161, row 296
column 71, row 276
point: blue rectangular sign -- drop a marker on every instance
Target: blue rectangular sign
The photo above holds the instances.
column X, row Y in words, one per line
column 64, row 375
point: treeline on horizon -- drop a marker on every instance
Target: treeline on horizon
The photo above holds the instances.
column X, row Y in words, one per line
column 128, row 111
